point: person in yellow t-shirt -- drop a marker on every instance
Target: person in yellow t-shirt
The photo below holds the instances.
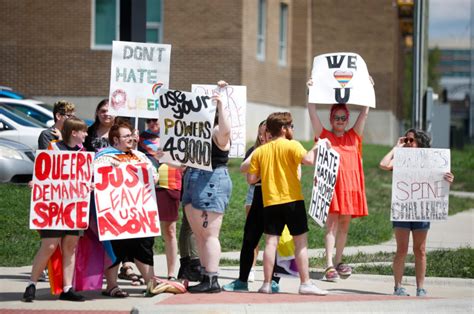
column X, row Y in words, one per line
column 276, row 164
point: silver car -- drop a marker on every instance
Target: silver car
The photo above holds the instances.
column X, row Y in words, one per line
column 16, row 161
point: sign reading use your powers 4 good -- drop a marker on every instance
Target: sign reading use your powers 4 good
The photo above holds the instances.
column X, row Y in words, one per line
column 186, row 128
column 341, row 77
column 419, row 192
column 325, row 172
column 61, row 190
column 235, row 99
column 138, row 72
column 125, row 201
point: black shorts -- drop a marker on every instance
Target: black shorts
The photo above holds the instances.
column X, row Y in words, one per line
column 130, row 249
column 292, row 214
column 59, row 233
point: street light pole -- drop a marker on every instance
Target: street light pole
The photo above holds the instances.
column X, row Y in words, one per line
column 418, row 63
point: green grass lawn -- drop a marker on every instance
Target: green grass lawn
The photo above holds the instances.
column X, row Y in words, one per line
column 18, row 244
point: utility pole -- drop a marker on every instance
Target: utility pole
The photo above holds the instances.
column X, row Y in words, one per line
column 419, row 62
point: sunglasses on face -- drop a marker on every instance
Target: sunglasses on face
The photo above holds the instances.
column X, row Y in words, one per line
column 408, row 140
column 340, row 118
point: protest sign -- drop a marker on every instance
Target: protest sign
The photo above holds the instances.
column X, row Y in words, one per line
column 187, row 121
column 341, row 77
column 325, row 172
column 138, row 72
column 61, row 190
column 234, row 98
column 125, row 202
column 419, row 192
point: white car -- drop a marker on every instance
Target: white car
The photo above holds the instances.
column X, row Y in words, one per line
column 16, row 162
column 16, row 128
column 33, row 108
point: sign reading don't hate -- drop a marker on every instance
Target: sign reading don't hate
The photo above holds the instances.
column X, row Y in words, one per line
column 138, row 72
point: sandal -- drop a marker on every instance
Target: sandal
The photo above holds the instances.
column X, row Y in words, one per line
column 138, row 282
column 344, row 270
column 331, row 274
column 126, row 273
column 115, row 292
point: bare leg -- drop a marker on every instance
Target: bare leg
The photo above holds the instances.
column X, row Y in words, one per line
column 419, row 249
column 68, row 247
column 271, row 242
column 402, row 236
column 147, row 271
column 330, row 237
column 171, row 245
column 341, row 238
column 111, row 277
column 47, row 248
column 301, row 256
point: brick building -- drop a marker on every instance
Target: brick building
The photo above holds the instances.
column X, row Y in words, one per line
column 54, row 49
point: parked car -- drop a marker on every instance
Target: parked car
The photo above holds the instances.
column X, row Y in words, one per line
column 16, row 161
column 16, row 128
column 30, row 107
column 8, row 92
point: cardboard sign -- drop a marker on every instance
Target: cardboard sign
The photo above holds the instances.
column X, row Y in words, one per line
column 341, row 77
column 125, row 201
column 325, row 172
column 61, row 190
column 234, row 98
column 419, row 192
column 138, row 72
column 187, row 121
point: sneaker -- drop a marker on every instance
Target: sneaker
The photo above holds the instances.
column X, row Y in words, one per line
column 420, row 292
column 236, row 286
column 275, row 287
column 71, row 295
column 400, row 291
column 310, row 288
column 29, row 294
column 265, row 288
column 251, row 276
column 331, row 274
column 343, row 270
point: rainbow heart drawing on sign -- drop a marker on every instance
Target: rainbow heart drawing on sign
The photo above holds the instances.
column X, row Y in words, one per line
column 156, row 88
column 343, row 77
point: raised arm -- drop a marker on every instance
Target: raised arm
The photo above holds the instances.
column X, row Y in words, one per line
column 313, row 115
column 361, row 119
column 222, row 132
column 387, row 161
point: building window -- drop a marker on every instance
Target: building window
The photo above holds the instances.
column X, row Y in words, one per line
column 261, row 30
column 283, row 38
column 154, row 18
column 105, row 23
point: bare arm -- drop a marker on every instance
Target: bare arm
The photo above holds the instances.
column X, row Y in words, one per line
column 313, row 115
column 245, row 165
column 222, row 132
column 361, row 119
column 252, row 178
column 310, row 157
column 387, row 161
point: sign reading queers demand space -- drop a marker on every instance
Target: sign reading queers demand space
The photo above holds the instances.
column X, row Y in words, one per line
column 325, row 172
column 235, row 99
column 341, row 77
column 419, row 192
column 186, row 128
column 61, row 190
column 138, row 72
column 125, row 201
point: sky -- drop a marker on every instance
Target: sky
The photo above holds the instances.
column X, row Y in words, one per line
column 449, row 23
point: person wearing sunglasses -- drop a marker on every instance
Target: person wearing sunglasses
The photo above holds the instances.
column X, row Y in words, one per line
column 413, row 138
column 349, row 200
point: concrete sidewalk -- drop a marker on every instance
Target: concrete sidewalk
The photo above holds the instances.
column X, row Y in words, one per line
column 359, row 293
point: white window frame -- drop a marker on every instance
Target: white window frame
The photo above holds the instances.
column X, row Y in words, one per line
column 261, row 21
column 283, row 35
column 117, row 26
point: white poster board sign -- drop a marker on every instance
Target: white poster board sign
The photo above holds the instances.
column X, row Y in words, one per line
column 125, row 202
column 61, row 190
column 235, row 99
column 187, row 121
column 325, row 172
column 419, row 192
column 138, row 72
column 341, row 77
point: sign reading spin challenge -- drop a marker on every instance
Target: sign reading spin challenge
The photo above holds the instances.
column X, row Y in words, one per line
column 139, row 71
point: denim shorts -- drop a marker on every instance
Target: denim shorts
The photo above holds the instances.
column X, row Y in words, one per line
column 249, row 197
column 206, row 190
column 412, row 225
